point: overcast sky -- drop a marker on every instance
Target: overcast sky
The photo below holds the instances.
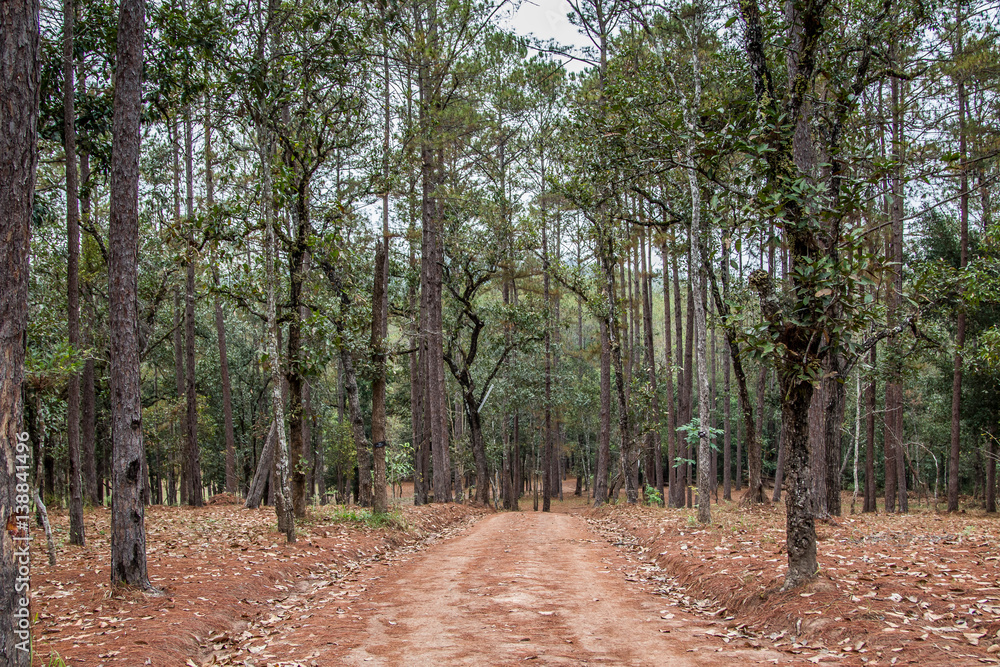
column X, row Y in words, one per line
column 546, row 19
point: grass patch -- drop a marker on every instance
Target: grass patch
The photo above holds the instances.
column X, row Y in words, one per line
column 365, row 516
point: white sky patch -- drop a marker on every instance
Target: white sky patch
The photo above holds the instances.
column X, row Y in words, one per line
column 545, row 20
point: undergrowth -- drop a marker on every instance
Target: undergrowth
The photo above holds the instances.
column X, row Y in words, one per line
column 362, row 515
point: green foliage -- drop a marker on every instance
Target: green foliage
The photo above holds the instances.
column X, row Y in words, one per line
column 341, row 454
column 393, row 519
column 653, row 496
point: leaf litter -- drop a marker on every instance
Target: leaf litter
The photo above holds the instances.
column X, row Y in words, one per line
column 922, row 588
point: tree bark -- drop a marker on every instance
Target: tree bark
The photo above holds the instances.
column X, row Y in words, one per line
column 604, row 436
column 88, row 413
column 991, row 472
column 380, row 312
column 755, row 491
column 19, row 90
column 680, row 418
column 727, row 437
column 800, row 535
column 671, row 480
column 655, row 472
column 689, row 382
column 547, row 480
column 265, row 464
column 416, row 402
column 954, row 456
column 296, row 278
column 835, row 393
column 870, row 491
column 76, row 529
column 896, row 471
column 232, row 481
column 817, row 448
column 128, row 531
column 281, row 488
column 87, row 432
column 195, row 496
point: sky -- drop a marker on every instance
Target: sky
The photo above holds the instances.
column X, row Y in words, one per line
column 546, row 19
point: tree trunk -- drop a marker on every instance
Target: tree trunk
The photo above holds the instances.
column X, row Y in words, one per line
column 19, row 89
column 281, row 487
column 755, row 491
column 689, row 383
column 547, row 480
column 655, row 473
column 963, row 208
column 671, row 480
column 727, row 437
column 991, row 472
column 434, row 386
column 364, row 497
column 700, row 329
column 380, row 312
column 478, row 448
column 680, row 418
column 88, row 425
column 193, row 453
column 629, row 455
column 87, row 433
column 779, row 472
column 835, row 392
column 232, row 481
column 870, row 491
column 817, row 447
column 265, row 464
column 128, row 531
column 296, row 278
column 799, row 524
column 76, row 530
column 417, row 414
column 604, row 436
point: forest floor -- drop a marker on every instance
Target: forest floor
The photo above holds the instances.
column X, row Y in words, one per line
column 923, row 588
column 447, row 585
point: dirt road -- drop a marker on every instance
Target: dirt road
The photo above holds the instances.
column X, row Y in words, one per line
column 516, row 587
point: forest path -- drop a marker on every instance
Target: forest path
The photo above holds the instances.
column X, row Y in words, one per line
column 516, row 586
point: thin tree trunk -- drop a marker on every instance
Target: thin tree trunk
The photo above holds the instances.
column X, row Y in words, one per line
column 991, row 472
column 870, row 491
column 656, row 460
column 43, row 513
column 835, row 392
column 963, row 208
column 193, row 454
column 604, row 436
column 128, row 530
column 380, row 313
column 697, row 299
column 76, row 529
column 689, row 376
column 88, row 411
column 281, row 487
column 677, row 494
column 296, row 277
column 264, row 466
column 87, row 432
column 232, row 481
column 417, row 414
column 779, row 472
column 755, row 492
column 671, row 480
column 895, row 486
